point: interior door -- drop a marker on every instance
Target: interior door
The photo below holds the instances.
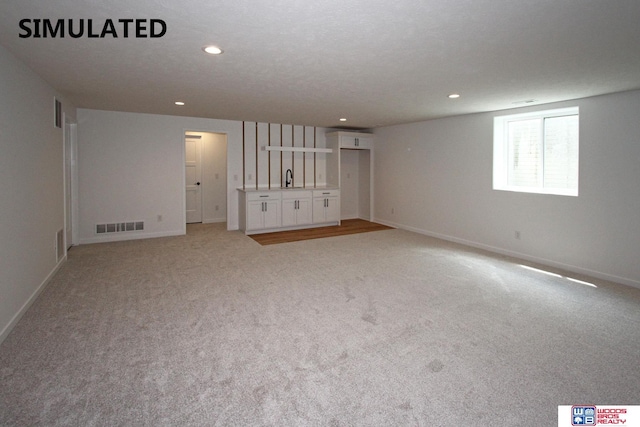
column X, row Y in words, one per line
column 193, row 177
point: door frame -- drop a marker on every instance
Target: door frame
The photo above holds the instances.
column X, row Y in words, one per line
column 184, row 178
column 198, row 188
column 70, row 180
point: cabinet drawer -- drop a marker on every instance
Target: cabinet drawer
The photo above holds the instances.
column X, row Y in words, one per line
column 263, row 195
column 296, row 194
column 326, row 193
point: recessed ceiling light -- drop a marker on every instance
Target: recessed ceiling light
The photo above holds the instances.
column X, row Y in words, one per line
column 179, row 103
column 454, row 95
column 213, row 50
column 343, row 119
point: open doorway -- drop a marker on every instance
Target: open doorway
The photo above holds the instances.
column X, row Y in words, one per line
column 70, row 182
column 205, row 177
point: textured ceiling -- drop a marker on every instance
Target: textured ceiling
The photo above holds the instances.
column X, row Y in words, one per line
column 374, row 62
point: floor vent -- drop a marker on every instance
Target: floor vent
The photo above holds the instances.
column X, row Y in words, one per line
column 119, row 227
column 59, row 244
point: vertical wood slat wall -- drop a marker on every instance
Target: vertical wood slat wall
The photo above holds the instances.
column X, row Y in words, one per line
column 259, row 154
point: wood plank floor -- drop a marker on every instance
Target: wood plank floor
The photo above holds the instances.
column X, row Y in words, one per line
column 348, row 226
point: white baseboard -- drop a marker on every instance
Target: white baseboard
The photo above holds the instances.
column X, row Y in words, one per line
column 214, row 220
column 362, row 217
column 34, row 296
column 119, row 237
column 346, row 217
column 519, row 255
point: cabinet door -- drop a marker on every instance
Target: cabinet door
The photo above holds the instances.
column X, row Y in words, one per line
column 347, row 141
column 332, row 210
column 318, row 210
column 303, row 214
column 255, row 215
column 357, row 142
column 289, row 212
column 271, row 214
column 364, row 142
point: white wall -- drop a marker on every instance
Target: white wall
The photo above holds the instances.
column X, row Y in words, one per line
column 31, row 187
column 271, row 168
column 131, row 167
column 437, row 177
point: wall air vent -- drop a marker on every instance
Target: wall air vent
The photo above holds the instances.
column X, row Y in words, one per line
column 119, row 227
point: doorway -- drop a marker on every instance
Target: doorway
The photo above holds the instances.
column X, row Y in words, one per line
column 205, row 177
column 70, row 183
column 356, row 184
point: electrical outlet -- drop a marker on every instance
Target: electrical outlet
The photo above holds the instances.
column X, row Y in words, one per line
column 249, row 177
column 217, row 176
column 159, row 218
column 217, row 207
column 516, row 234
column 393, row 210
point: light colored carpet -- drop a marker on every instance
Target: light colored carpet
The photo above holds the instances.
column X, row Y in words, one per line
column 376, row 329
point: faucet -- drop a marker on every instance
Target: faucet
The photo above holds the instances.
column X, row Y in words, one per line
column 288, row 178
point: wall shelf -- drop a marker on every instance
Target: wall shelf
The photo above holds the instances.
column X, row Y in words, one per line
column 296, row 149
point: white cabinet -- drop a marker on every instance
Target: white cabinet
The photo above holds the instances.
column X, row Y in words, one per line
column 326, row 206
column 296, row 207
column 265, row 211
column 260, row 210
column 357, row 141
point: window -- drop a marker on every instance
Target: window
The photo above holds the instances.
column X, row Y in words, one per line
column 537, row 152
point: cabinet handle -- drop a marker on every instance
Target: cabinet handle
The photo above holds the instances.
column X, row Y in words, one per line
column 266, row 195
column 326, row 193
column 357, row 142
column 326, row 203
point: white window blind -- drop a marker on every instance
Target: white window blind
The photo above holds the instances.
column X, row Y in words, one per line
column 537, row 152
